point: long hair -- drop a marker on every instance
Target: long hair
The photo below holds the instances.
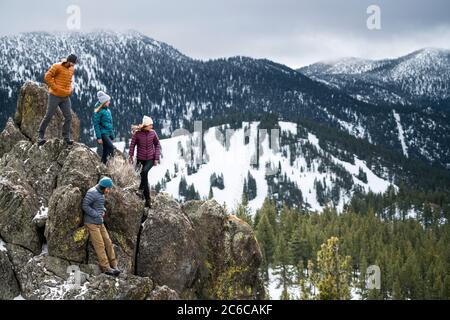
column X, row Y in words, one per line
column 136, row 128
column 100, row 107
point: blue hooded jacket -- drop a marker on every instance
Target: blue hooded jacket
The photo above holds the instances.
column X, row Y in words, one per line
column 94, row 206
column 103, row 122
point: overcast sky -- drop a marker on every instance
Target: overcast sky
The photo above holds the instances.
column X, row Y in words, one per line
column 293, row 32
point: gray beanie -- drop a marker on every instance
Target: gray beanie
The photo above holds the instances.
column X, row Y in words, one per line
column 103, row 97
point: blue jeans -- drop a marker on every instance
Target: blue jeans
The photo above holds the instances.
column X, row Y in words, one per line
column 146, row 166
column 108, row 148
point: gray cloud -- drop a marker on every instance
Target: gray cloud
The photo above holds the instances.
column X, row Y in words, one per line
column 293, row 32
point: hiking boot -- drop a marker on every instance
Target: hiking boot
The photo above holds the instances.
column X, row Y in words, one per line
column 110, row 272
column 116, row 271
column 68, row 142
column 41, row 142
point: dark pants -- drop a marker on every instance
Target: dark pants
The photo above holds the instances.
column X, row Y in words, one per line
column 66, row 108
column 108, row 148
column 146, row 166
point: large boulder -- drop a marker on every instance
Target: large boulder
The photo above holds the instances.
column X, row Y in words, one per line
column 168, row 252
column 18, row 206
column 123, row 220
column 9, row 288
column 19, row 256
column 9, row 137
column 42, row 277
column 39, row 166
column 31, row 109
column 81, row 168
column 209, row 221
column 230, row 254
column 103, row 287
column 45, row 277
column 242, row 256
column 66, row 236
column 191, row 207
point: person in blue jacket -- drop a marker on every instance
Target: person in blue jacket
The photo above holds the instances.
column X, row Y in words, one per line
column 103, row 125
column 94, row 214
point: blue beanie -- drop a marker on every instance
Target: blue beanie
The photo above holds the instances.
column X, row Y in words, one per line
column 106, row 183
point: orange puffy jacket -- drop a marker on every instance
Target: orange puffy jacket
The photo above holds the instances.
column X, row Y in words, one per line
column 59, row 80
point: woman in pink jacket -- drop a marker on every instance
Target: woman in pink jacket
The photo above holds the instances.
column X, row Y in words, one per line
column 148, row 152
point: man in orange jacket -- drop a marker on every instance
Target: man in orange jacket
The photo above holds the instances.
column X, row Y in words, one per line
column 59, row 80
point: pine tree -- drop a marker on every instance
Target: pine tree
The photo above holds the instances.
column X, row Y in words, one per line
column 211, row 193
column 285, row 294
column 333, row 272
column 281, row 265
column 299, row 249
column 243, row 211
column 266, row 239
column 270, row 210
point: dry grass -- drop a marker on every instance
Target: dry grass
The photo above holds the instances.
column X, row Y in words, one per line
column 123, row 173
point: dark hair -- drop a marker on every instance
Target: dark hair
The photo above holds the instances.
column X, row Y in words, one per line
column 101, row 188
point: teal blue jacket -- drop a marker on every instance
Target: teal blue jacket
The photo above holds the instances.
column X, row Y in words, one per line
column 103, row 122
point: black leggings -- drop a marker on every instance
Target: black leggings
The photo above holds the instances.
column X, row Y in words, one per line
column 108, row 148
column 146, row 166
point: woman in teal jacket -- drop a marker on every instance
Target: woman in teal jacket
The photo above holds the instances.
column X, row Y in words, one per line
column 103, row 125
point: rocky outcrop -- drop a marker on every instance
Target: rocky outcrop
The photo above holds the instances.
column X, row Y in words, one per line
column 123, row 220
column 18, row 205
column 168, row 251
column 231, row 255
column 31, row 109
column 200, row 250
column 9, row 137
column 66, row 236
column 194, row 250
column 163, row 293
column 102, row 287
column 9, row 287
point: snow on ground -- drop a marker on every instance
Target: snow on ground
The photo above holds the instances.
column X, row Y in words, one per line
column 44, row 250
column 2, row 246
column 288, row 127
column 234, row 161
column 355, row 294
column 41, row 214
column 19, row 297
column 355, row 129
column 119, row 145
column 274, row 290
column 401, row 134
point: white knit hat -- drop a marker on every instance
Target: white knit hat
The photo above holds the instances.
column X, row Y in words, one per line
column 103, row 97
column 146, row 121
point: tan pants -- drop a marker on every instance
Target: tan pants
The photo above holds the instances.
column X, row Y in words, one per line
column 102, row 245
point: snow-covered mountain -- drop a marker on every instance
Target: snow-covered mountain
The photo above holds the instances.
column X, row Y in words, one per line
column 299, row 172
column 145, row 76
column 422, row 77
